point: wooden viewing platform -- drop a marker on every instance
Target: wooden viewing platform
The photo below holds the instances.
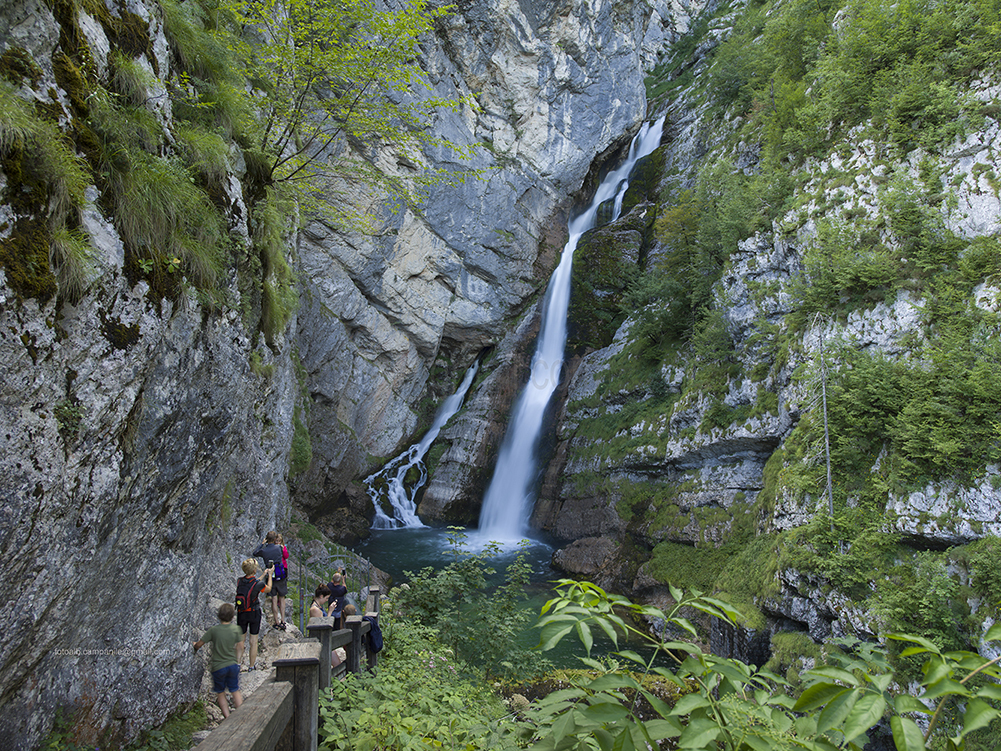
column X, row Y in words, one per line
column 283, row 713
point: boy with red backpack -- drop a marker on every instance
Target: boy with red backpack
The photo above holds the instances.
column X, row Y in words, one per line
column 248, row 607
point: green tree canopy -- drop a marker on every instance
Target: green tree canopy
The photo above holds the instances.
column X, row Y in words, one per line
column 338, row 88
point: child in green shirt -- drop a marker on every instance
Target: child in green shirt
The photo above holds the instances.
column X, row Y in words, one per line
column 227, row 641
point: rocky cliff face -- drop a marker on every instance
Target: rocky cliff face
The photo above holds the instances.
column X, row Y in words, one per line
column 145, row 448
column 663, row 458
column 149, row 427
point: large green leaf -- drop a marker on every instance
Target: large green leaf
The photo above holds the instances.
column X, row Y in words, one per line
column 978, row 714
column 660, row 729
column 905, row 703
column 993, row 633
column 606, row 712
column 866, row 713
column 837, row 710
column 817, row 695
column 945, row 687
column 688, row 703
column 907, row 736
column 699, row 734
column 553, row 634
column 611, row 681
column 928, row 646
column 564, row 726
column 990, row 691
column 584, row 634
column 834, row 674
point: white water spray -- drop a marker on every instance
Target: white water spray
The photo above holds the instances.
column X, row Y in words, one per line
column 402, row 500
column 509, row 498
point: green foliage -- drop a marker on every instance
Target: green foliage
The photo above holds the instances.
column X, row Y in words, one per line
column 128, row 79
column 301, row 454
column 749, row 574
column 329, row 72
column 43, row 154
column 845, row 551
column 175, row 734
column 790, row 650
column 732, row 706
column 845, row 266
column 479, row 620
column 686, row 566
column 419, row 699
column 903, row 66
column 206, row 153
column 920, row 596
column 73, row 257
column 271, row 226
column 166, row 220
column 600, row 274
column 985, row 574
column 69, row 415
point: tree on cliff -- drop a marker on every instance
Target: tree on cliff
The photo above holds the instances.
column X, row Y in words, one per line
column 342, row 97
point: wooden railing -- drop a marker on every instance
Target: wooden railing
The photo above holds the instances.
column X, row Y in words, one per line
column 283, row 712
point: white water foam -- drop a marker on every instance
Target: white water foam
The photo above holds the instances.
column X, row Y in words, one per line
column 402, row 500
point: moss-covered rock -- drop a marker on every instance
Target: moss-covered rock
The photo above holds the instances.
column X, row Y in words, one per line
column 17, row 65
column 644, row 180
column 605, row 261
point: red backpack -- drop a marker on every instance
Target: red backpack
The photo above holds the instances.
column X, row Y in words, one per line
column 246, row 599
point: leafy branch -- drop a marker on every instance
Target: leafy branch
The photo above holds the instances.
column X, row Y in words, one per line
column 727, row 704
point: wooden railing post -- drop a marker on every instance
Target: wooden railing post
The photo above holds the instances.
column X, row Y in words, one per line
column 372, row 604
column 298, row 663
column 321, row 629
column 354, row 623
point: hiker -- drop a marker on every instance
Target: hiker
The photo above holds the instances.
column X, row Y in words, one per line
column 271, row 552
column 227, row 641
column 248, row 606
column 320, row 597
column 338, row 598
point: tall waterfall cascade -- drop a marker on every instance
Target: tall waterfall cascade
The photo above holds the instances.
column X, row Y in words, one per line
column 403, row 500
column 510, row 496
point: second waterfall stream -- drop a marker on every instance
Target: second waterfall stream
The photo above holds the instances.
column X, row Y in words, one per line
column 510, row 496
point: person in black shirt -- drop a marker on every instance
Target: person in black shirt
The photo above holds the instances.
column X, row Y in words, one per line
column 338, row 599
column 271, row 552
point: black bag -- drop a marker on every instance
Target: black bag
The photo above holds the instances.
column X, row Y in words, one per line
column 374, row 635
column 245, row 593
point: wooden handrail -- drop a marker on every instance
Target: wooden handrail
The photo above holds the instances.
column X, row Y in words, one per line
column 260, row 723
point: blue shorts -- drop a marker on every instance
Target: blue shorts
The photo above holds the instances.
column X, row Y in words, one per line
column 226, row 678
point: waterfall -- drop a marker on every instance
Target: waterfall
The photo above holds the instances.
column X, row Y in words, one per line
column 509, row 498
column 404, row 502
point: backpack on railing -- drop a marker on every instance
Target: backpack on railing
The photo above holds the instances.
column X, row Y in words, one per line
column 374, row 634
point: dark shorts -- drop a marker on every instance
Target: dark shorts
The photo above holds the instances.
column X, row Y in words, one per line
column 251, row 620
column 279, row 588
column 226, row 678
